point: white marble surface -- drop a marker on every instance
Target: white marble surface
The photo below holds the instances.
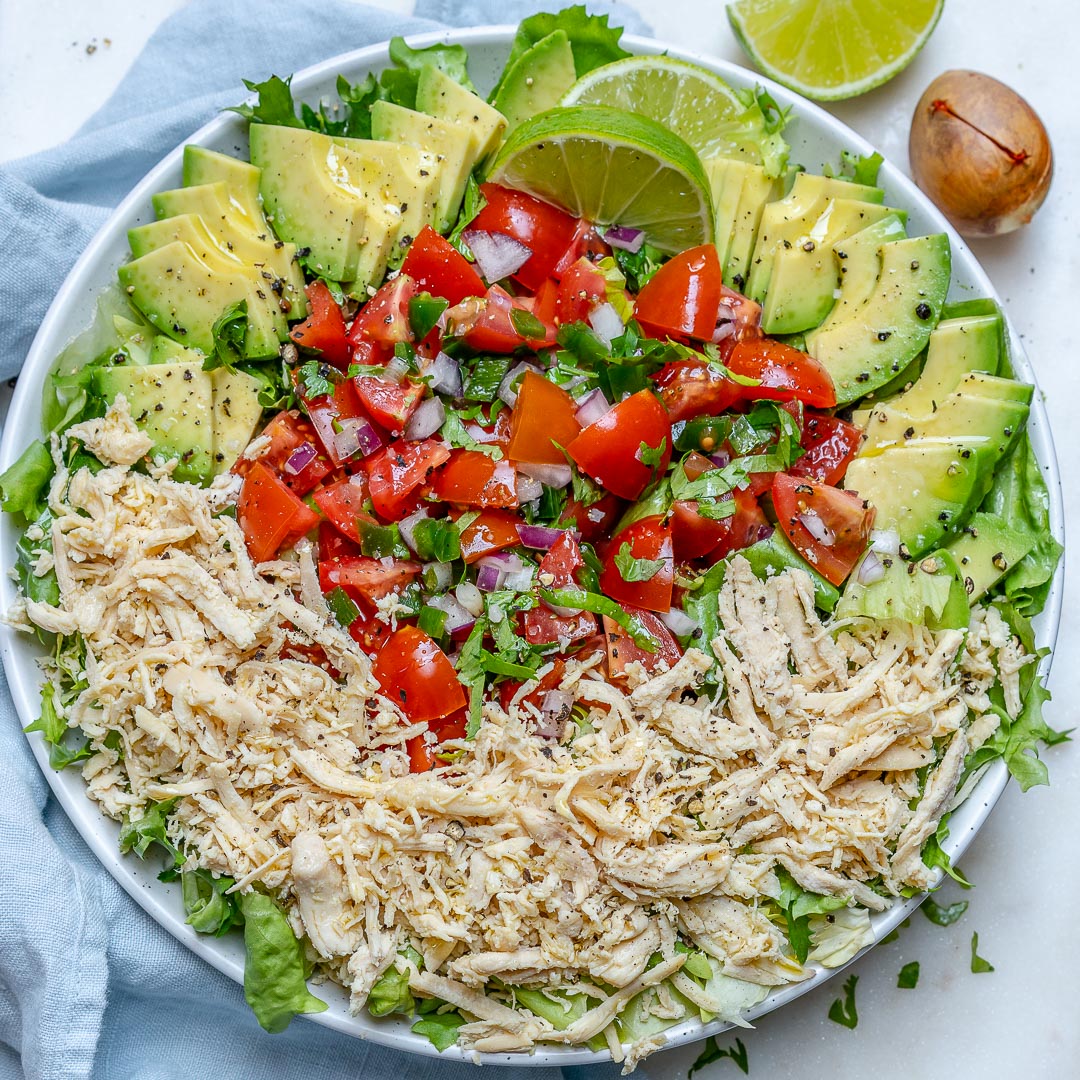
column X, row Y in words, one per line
column 60, row 59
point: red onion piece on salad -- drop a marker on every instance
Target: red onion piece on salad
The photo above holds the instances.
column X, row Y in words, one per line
column 538, row 537
column 497, row 254
column 457, row 617
column 621, row 236
column 678, row 622
column 527, row 488
column 300, row 459
column 818, row 529
column 885, row 541
column 554, row 713
column 427, row 419
column 396, row 369
column 591, row 408
column 552, row 476
column 489, row 578
column 407, row 528
column 506, row 561
column 356, row 436
column 871, row 569
column 606, row 323
column 444, row 375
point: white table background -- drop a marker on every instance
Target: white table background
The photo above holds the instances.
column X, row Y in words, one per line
column 60, row 59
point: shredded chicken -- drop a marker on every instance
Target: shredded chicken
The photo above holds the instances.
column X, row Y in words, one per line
column 541, row 863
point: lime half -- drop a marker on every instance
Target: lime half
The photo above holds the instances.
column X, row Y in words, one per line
column 831, row 49
column 695, row 104
column 611, row 167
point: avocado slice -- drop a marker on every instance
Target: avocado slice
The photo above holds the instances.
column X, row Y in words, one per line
column 202, row 166
column 924, row 489
column 879, row 338
column 227, row 220
column 788, row 220
column 537, row 80
column 183, row 295
column 740, row 194
column 455, row 150
column 438, row 95
column 987, row 549
column 173, row 404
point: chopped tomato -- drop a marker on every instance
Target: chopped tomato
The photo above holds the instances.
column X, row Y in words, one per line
column 416, row 675
column 551, row 680
column 491, row 434
column 289, row 432
column 395, row 472
column 369, row 632
column 696, row 536
column 544, row 229
column 689, row 388
column 270, row 515
column 841, row 529
column 622, row 650
column 423, row 754
column 343, row 504
column 471, row 478
column 332, row 545
column 557, row 570
column 683, row 297
column 544, row 301
column 747, row 314
column 610, row 450
column 648, row 586
column 384, row 319
column 489, row 531
column 327, row 412
column 542, row 417
column 586, row 243
column 594, row 521
column 487, row 324
column 830, row 444
column 389, row 404
column 365, row 579
column 581, row 289
column 438, row 268
column 323, row 330
column 784, row 373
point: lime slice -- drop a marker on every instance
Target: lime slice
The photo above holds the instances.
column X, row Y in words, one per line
column 611, row 167
column 831, row 49
column 695, row 104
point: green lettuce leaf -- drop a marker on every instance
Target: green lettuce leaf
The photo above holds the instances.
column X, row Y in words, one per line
column 24, row 485
column 797, row 905
column 274, row 978
column 391, row 993
column 209, row 909
column 440, row 1029
column 398, row 84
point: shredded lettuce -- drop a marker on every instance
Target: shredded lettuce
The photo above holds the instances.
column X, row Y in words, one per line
column 929, row 592
column 839, row 935
column 24, row 485
column 209, row 909
column 137, row 834
column 797, row 905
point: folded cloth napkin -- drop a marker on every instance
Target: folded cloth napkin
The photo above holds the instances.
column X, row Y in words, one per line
column 90, row 986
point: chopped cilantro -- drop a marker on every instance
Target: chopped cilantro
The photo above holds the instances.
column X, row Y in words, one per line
column 842, row 1011
column 315, row 377
column 632, row 569
column 979, row 966
column 943, row 916
column 909, row 976
column 713, row 1052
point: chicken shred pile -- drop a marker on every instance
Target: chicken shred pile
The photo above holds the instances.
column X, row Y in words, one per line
column 533, row 861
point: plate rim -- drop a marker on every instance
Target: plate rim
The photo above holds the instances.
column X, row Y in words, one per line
column 100, row 832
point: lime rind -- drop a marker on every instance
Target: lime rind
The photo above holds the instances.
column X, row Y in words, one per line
column 611, row 166
column 885, row 70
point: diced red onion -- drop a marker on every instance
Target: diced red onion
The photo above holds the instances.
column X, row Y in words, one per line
column 507, row 561
column 553, row 476
column 591, row 408
column 489, row 578
column 554, row 712
column 527, row 488
column 764, row 532
column 456, row 615
column 721, row 458
column 817, row 528
column 407, row 528
column 300, row 459
column 497, row 254
column 506, row 388
column 442, row 572
column 464, row 631
column 885, row 541
column 678, row 622
column 520, row 580
column 444, row 375
column 397, row 367
column 356, row 436
column 468, row 596
column 621, row 236
column 538, row 537
column 606, row 323
column 426, row 420
column 871, row 569
column 723, row 330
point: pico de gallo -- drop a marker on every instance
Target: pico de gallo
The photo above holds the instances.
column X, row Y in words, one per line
column 532, row 444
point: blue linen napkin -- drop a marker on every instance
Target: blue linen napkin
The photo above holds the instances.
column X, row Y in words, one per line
column 90, row 986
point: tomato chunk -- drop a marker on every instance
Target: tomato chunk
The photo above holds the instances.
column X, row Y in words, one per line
column 542, row 417
column 490, row 531
column 683, row 297
column 610, row 450
column 423, row 752
column 395, row 473
column 695, row 536
column 365, row 579
column 384, row 319
column 557, row 569
column 581, row 289
column 487, row 324
column 389, row 404
column 343, row 504
column 840, row 520
column 288, row 433
column 271, row 516
column 623, row 651
column 689, row 388
column 830, row 445
column 471, row 478
column 439, row 268
column 647, row 585
column 323, row 331
column 551, row 680
column 785, row 373
column 541, row 227
column 416, row 675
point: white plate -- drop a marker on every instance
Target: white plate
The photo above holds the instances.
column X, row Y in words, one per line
column 816, row 138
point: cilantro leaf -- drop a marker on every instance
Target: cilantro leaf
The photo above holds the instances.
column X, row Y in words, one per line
column 843, row 1011
column 274, row 106
column 638, row 266
column 909, row 976
column 455, row 434
column 713, row 1052
column 632, row 569
column 652, row 456
column 315, row 376
column 943, row 916
column 228, row 332
column 979, row 966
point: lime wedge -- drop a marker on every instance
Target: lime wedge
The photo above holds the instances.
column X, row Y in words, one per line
column 831, row 49
column 695, row 104
column 611, row 167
